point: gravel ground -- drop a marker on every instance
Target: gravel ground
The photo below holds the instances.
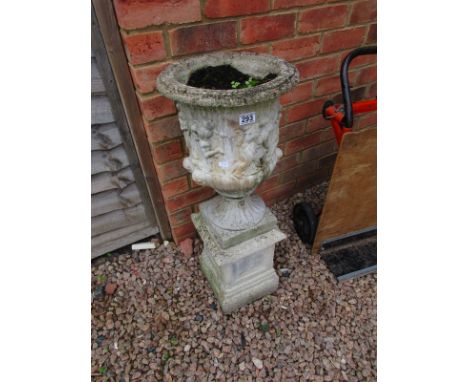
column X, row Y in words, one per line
column 154, row 317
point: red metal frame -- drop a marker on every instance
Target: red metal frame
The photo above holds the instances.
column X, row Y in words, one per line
column 336, row 115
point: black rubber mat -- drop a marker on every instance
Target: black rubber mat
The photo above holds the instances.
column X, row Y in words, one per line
column 352, row 260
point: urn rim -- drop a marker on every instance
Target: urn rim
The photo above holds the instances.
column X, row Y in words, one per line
column 172, row 81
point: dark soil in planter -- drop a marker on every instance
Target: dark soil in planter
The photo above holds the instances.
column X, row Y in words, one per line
column 220, row 78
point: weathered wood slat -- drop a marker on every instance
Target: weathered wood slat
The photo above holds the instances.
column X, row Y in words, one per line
column 109, row 241
column 105, row 137
column 101, row 111
column 111, row 180
column 97, row 84
column 112, row 160
column 117, row 219
column 108, row 201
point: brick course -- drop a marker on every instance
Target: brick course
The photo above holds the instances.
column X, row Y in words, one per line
column 343, row 39
column 265, row 28
column 301, row 143
column 134, row 14
column 300, row 93
column 293, row 130
column 304, row 110
column 144, row 47
column 225, row 8
column 295, row 3
column 203, row 38
column 180, row 217
column 296, row 49
column 372, row 34
column 170, row 170
column 316, row 19
column 174, row 187
column 363, row 11
column 167, row 151
column 331, row 85
column 144, row 76
column 156, row 106
column 313, row 34
column 319, row 66
column 163, row 129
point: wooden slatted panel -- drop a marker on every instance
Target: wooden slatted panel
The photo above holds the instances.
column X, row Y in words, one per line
column 112, row 160
column 101, row 110
column 113, row 66
column 105, row 137
column 111, row 180
column 118, row 219
column 97, row 84
column 112, row 200
column 109, row 241
column 119, row 214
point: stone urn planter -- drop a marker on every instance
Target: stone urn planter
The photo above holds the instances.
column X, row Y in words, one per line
column 232, row 138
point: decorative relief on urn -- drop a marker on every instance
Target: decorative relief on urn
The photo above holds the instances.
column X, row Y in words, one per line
column 231, row 158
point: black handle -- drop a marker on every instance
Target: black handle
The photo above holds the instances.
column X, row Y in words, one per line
column 348, row 105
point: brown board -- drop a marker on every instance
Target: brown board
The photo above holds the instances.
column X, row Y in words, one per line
column 351, row 202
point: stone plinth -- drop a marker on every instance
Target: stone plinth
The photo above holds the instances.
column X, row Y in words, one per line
column 242, row 272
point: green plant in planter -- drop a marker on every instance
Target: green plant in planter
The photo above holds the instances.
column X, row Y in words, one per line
column 250, row 83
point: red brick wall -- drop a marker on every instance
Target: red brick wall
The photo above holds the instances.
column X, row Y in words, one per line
column 315, row 35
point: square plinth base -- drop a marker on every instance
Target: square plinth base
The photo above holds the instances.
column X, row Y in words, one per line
column 242, row 273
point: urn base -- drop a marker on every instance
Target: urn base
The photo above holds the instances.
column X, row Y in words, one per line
column 240, row 273
column 234, row 214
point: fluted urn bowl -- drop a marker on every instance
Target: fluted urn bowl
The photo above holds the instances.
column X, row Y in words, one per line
column 231, row 135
